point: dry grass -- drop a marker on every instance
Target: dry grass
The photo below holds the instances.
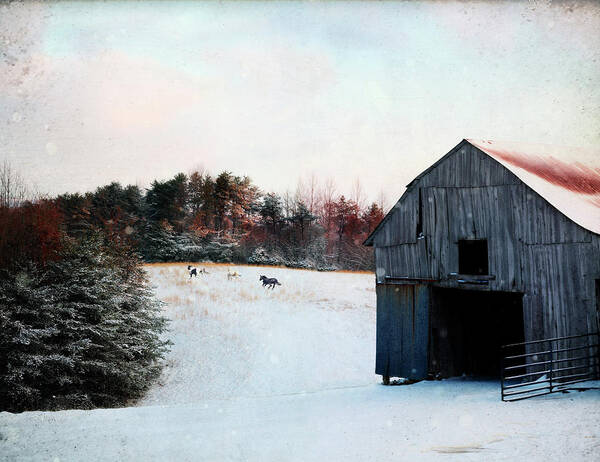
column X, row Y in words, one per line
column 184, row 265
column 212, row 297
column 172, row 300
column 247, row 295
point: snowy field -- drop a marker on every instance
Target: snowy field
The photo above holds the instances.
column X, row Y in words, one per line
column 287, row 375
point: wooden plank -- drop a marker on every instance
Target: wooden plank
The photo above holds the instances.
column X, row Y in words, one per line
column 383, row 332
column 468, row 167
column 420, row 363
column 543, row 224
column 435, row 209
column 402, row 330
column 401, row 225
column 397, row 308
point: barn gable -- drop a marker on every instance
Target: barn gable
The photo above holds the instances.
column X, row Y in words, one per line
column 570, row 187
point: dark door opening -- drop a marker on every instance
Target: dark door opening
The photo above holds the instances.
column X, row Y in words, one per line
column 468, row 328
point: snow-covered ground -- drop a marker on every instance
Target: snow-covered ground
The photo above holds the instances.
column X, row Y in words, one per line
column 287, row 375
column 233, row 338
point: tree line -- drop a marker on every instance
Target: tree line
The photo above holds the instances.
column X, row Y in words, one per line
column 79, row 324
column 227, row 218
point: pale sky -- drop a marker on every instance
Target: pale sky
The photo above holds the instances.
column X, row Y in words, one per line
column 133, row 91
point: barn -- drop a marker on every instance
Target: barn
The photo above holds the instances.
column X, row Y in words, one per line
column 494, row 244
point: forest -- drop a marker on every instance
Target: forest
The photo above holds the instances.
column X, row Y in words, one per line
column 227, row 218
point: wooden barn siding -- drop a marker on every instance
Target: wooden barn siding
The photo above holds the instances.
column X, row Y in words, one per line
column 544, row 224
column 533, row 248
column 402, row 330
column 450, row 214
column 482, row 213
column 409, row 260
column 468, row 167
column 401, row 225
column 560, row 298
column 436, row 224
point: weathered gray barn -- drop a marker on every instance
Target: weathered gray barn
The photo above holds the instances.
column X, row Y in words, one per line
column 493, row 244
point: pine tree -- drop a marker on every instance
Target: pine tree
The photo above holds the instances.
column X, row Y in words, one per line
column 84, row 332
column 272, row 212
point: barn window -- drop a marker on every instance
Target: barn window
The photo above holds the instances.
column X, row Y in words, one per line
column 473, row 256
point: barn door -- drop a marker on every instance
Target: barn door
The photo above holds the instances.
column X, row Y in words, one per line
column 402, row 330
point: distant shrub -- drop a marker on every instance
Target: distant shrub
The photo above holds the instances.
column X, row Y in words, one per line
column 163, row 245
column 81, row 332
column 260, row 256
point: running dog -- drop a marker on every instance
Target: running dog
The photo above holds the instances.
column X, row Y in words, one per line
column 195, row 271
column 269, row 282
column 232, row 274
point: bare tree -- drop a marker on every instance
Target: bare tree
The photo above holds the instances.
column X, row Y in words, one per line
column 288, row 203
column 358, row 194
column 312, row 192
column 300, row 193
column 327, row 199
column 13, row 189
column 329, row 190
column 382, row 201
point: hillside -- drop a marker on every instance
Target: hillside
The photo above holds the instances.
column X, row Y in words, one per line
column 287, row 375
column 233, row 338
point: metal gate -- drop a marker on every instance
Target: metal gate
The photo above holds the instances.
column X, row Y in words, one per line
column 547, row 366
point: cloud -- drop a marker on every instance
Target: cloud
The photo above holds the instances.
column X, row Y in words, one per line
column 124, row 95
column 128, row 91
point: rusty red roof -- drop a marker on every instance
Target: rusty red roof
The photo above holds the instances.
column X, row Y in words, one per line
column 568, row 178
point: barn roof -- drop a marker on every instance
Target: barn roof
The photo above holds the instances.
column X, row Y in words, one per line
column 568, row 178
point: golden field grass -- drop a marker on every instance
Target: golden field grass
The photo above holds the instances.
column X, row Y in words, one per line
column 179, row 291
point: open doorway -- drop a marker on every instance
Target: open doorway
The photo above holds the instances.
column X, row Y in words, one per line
column 468, row 328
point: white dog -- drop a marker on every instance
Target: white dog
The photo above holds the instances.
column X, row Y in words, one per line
column 232, row 274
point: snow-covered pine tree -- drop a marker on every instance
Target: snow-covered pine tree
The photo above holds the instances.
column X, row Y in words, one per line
column 83, row 331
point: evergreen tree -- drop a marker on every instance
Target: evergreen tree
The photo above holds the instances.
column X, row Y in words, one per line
column 76, row 214
column 167, row 200
column 271, row 212
column 302, row 218
column 195, row 197
column 244, row 196
column 222, row 195
column 84, row 331
column 208, row 203
column 372, row 217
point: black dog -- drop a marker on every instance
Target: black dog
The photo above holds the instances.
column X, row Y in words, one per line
column 272, row 282
column 193, row 271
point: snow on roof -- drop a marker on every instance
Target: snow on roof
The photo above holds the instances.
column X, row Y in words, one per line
column 568, row 178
